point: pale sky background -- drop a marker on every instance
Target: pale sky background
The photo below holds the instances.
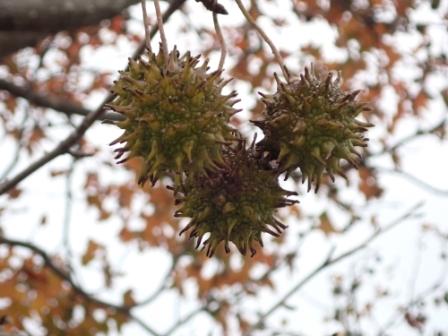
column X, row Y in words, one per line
column 425, row 158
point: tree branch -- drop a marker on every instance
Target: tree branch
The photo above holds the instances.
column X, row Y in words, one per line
column 52, row 102
column 56, row 15
column 24, row 22
column 163, row 285
column 48, row 262
column 329, row 261
column 174, row 6
column 64, row 146
column 184, row 320
column 18, row 149
column 414, row 179
column 420, row 132
column 60, row 273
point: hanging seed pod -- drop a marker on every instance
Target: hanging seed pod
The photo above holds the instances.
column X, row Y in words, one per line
column 309, row 123
column 175, row 116
column 236, row 203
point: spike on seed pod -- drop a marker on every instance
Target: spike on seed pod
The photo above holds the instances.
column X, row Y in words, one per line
column 309, row 124
column 169, row 110
column 234, row 203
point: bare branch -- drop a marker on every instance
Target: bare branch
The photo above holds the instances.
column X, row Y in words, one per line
column 163, row 40
column 329, row 261
column 415, row 300
column 56, row 15
column 420, row 132
column 68, row 207
column 163, row 285
column 184, row 320
column 415, row 180
column 18, row 149
column 61, row 273
column 174, row 6
column 23, row 23
column 62, row 148
column 146, row 24
column 52, row 102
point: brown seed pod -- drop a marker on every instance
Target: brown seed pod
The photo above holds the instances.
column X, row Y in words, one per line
column 176, row 117
column 235, row 203
column 309, row 123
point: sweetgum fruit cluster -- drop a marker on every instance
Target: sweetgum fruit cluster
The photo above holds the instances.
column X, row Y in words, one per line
column 176, row 120
column 175, row 116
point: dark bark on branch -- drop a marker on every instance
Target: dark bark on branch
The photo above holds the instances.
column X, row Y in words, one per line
column 13, row 41
column 24, row 22
column 55, row 15
column 52, row 102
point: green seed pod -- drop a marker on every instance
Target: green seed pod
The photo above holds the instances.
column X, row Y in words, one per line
column 309, row 123
column 235, row 203
column 175, row 116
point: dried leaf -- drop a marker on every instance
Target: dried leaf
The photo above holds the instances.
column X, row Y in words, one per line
column 92, row 249
column 325, row 225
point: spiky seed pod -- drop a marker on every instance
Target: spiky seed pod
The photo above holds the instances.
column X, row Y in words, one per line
column 310, row 124
column 175, row 116
column 236, row 203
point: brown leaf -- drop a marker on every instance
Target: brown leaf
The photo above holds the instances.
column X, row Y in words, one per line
column 325, row 225
column 128, row 298
column 368, row 184
column 127, row 235
column 415, row 321
column 92, row 249
column 14, row 193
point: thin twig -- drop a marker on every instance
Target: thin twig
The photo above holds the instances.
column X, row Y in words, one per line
column 163, row 285
column 142, row 324
column 161, row 30
column 420, row 132
column 60, row 149
column 52, row 102
column 18, row 149
column 68, row 214
column 173, row 7
column 260, row 31
column 146, row 24
column 329, row 261
column 415, row 180
column 61, row 273
column 221, row 41
column 416, row 299
column 181, row 322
